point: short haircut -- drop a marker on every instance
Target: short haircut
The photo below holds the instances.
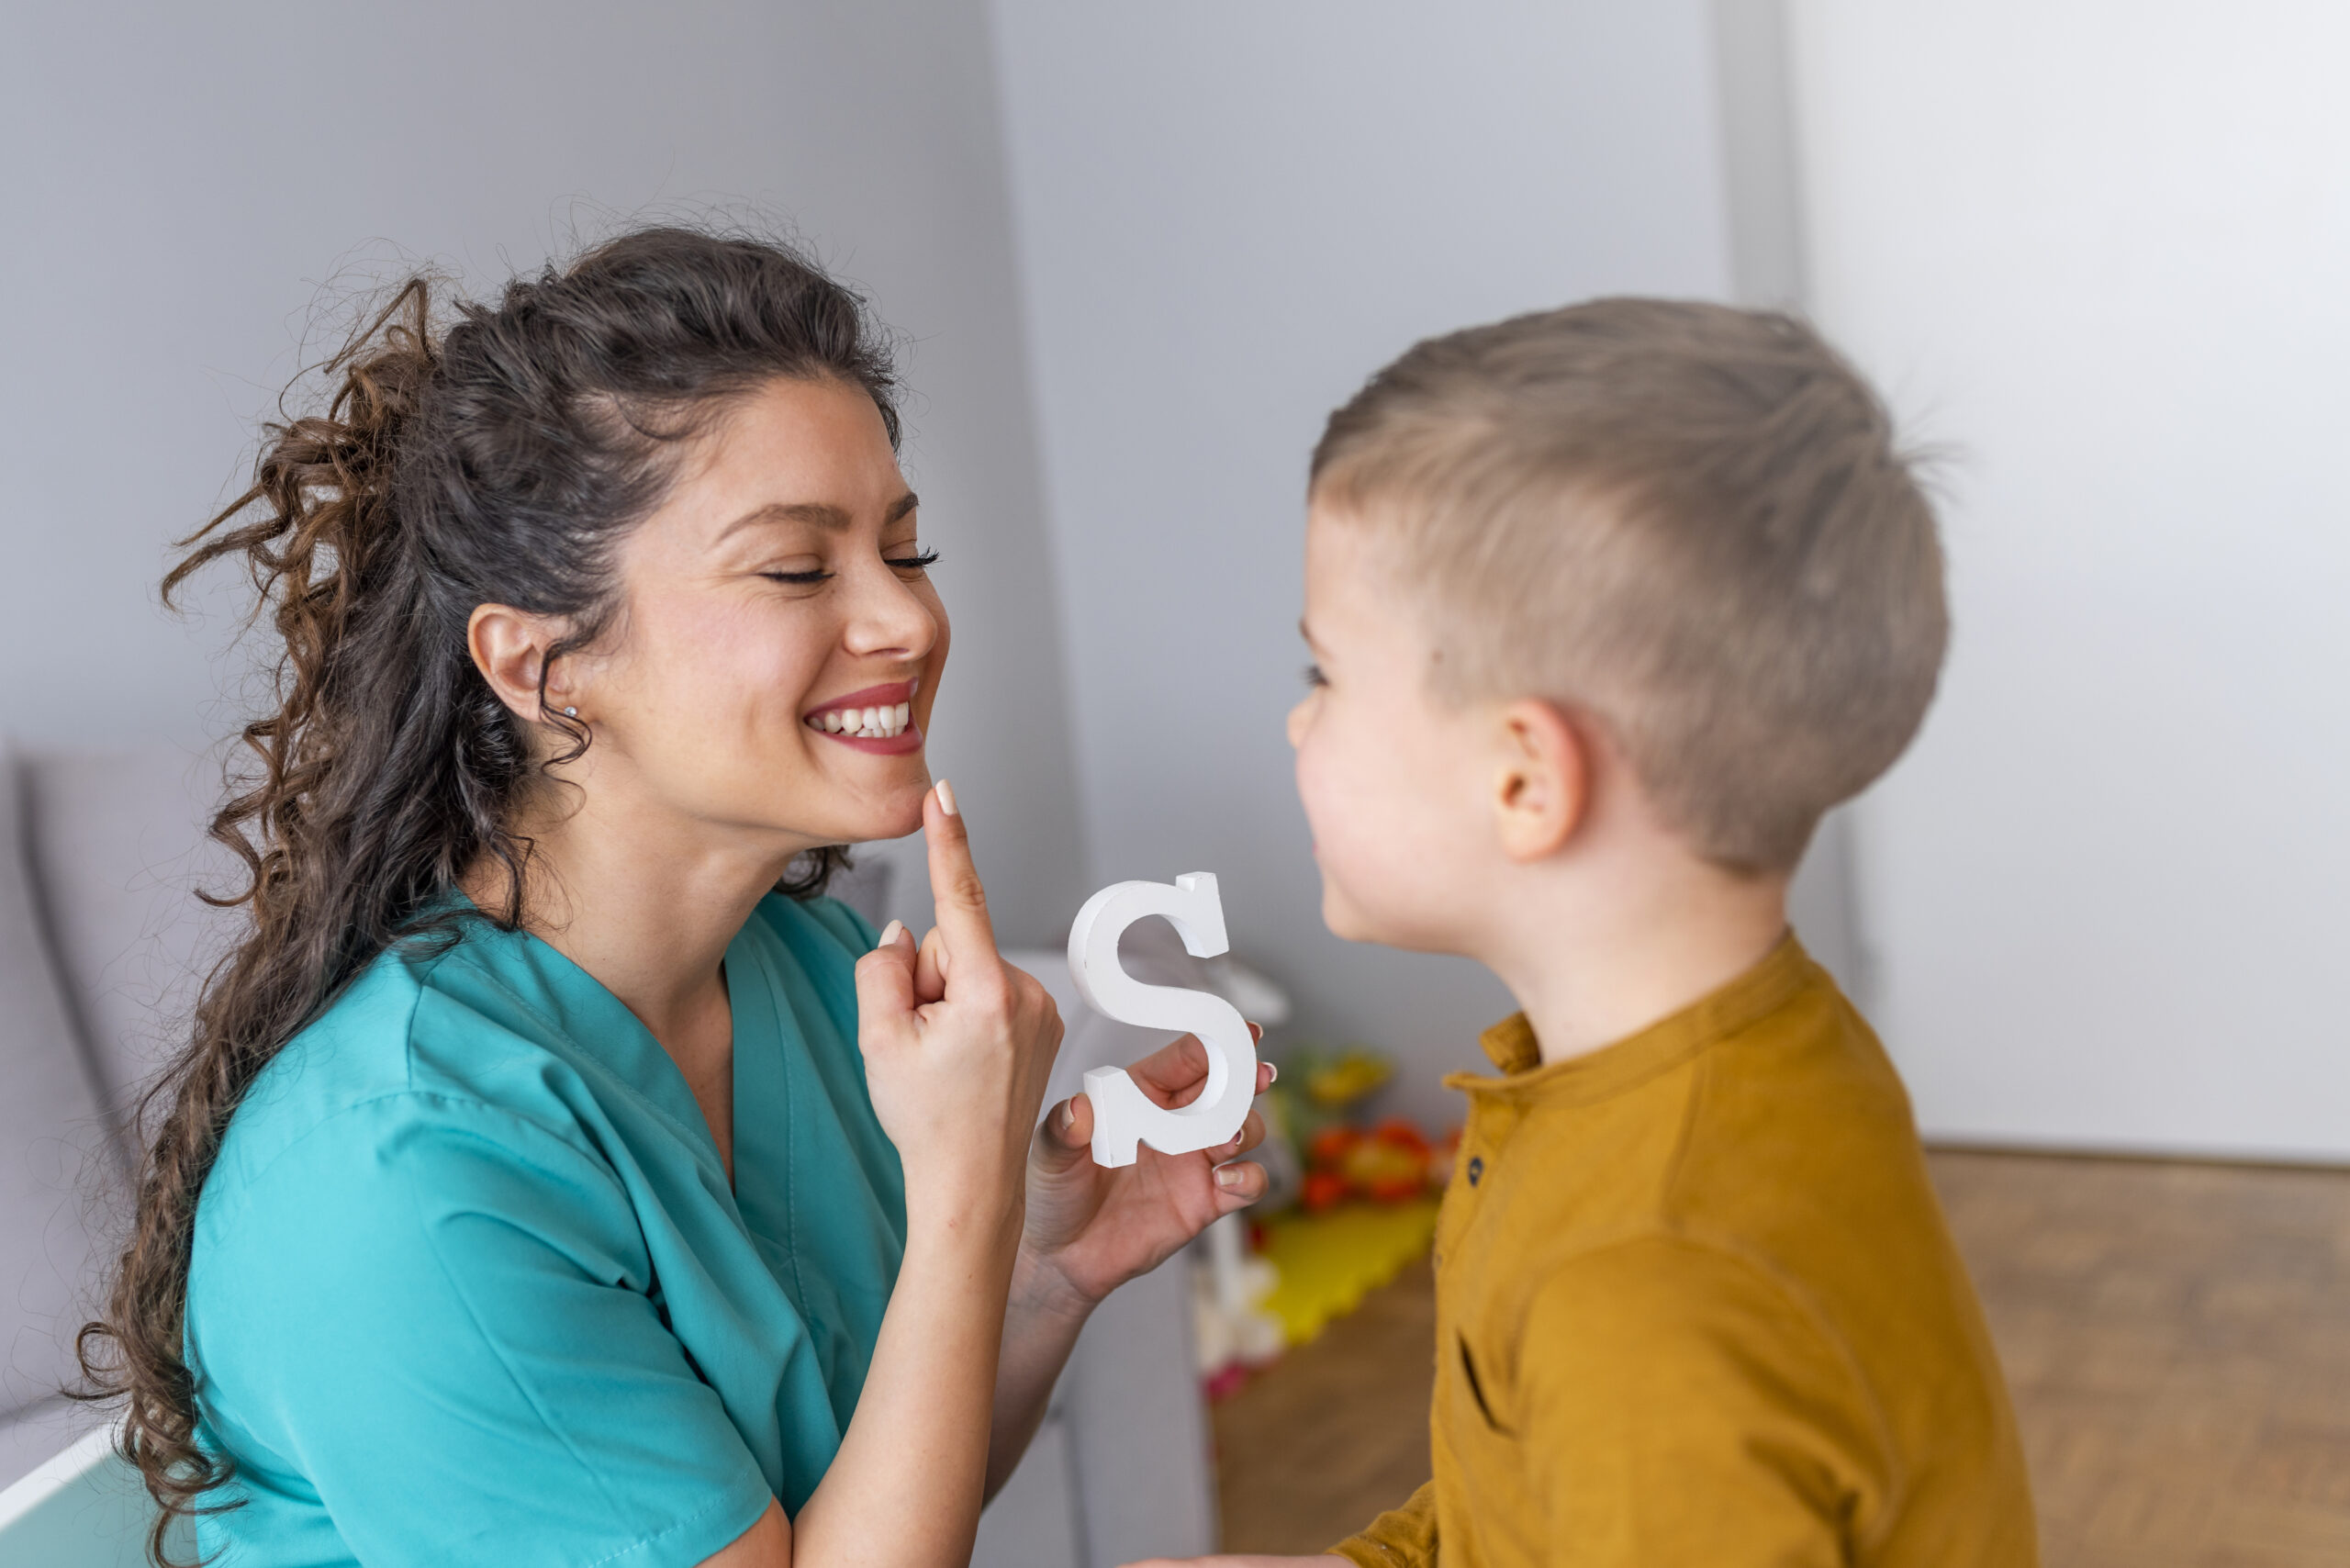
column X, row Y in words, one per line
column 1689, row 520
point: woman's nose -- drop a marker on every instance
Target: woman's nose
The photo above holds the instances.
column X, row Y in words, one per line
column 887, row 617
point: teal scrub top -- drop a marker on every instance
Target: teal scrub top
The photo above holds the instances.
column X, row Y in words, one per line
column 469, row 1284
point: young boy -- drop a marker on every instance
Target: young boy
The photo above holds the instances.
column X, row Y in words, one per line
column 1608, row 605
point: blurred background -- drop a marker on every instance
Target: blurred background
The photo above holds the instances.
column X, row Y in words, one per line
column 2092, row 249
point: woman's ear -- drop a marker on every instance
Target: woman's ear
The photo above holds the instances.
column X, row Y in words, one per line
column 1541, row 780
column 509, row 647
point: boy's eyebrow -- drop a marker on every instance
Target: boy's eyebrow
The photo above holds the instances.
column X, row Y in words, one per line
column 824, row 514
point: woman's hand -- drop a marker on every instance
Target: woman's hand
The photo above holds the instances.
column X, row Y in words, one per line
column 955, row 1073
column 957, row 1043
column 1089, row 1229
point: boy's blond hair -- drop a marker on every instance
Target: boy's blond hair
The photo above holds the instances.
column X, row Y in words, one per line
column 1687, row 520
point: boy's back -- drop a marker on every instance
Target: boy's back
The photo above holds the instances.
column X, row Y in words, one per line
column 1696, row 1304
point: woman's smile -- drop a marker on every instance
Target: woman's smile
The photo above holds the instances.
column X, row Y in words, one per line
column 877, row 718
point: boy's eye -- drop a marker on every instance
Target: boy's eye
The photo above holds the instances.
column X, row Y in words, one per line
column 920, row 562
column 1314, row 675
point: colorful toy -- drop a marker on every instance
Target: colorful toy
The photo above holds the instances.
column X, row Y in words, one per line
column 1338, row 1082
column 1388, row 1164
column 1124, row 1116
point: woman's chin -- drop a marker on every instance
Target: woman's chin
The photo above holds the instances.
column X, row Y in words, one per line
column 893, row 815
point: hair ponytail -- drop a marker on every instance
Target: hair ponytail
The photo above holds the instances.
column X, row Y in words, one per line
column 498, row 459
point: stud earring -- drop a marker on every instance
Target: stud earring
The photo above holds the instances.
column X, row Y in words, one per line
column 571, row 712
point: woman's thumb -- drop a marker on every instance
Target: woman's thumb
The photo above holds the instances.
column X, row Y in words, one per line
column 1067, row 1137
column 885, row 980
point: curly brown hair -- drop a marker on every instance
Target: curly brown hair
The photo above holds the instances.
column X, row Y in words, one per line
column 498, row 456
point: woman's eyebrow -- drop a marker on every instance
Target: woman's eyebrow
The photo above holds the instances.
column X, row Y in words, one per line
column 821, row 514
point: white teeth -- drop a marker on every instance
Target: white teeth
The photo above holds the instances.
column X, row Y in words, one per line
column 865, row 723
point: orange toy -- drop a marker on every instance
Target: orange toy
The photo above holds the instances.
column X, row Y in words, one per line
column 1387, row 1164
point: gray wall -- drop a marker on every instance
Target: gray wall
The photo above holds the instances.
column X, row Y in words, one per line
column 1228, row 215
column 180, row 179
column 2106, row 886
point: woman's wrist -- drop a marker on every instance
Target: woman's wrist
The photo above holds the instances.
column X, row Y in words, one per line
column 987, row 1224
column 1041, row 1287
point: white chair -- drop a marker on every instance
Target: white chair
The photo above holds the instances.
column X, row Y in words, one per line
column 84, row 1508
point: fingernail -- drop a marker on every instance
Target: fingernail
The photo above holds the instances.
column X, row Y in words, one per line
column 1272, row 1073
column 1228, row 1176
column 1069, row 1114
column 890, row 934
column 946, row 798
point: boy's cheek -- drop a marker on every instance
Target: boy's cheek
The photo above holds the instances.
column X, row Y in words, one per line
column 1338, row 913
column 1341, row 911
column 1332, row 844
column 1355, row 839
column 1358, row 884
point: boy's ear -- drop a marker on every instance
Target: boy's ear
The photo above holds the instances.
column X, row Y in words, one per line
column 509, row 647
column 1541, row 789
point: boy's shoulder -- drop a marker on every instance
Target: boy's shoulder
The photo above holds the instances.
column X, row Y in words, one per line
column 1798, row 1148
column 1766, row 1123
column 1766, row 1114
column 1718, row 1234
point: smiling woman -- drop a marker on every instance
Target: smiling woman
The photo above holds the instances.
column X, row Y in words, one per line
column 554, row 1174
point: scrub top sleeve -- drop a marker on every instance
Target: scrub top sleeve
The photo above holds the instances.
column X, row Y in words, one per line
column 462, row 1355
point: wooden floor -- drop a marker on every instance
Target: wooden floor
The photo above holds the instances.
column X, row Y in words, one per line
column 2176, row 1337
column 1307, row 1454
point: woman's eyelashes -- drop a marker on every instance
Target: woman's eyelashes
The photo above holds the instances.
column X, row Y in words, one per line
column 921, row 560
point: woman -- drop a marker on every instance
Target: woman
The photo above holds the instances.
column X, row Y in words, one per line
column 554, row 1175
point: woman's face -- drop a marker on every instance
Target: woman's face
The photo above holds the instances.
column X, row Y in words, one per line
column 779, row 643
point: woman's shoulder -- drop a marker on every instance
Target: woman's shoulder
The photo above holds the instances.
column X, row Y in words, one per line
column 428, row 1037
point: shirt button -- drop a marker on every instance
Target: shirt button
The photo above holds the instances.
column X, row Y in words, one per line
column 1476, row 1168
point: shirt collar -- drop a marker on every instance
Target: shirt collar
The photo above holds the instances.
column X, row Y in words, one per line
column 1594, row 1075
column 1510, row 1044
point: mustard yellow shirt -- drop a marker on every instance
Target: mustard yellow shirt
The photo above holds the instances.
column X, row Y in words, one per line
column 1696, row 1304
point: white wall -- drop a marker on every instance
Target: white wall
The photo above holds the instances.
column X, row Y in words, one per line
column 2100, row 247
column 180, row 178
column 1230, row 214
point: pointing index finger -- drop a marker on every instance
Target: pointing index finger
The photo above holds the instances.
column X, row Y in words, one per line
column 954, row 887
